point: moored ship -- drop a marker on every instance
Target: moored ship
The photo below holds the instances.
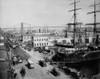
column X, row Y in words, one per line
column 84, row 57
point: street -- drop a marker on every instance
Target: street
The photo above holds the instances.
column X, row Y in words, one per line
column 38, row 72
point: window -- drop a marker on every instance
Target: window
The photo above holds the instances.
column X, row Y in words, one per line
column 42, row 44
column 47, row 43
column 46, row 39
column 37, row 44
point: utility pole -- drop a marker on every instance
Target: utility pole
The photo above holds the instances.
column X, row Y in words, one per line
column 95, row 23
column 75, row 20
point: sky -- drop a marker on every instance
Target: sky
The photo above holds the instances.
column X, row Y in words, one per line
column 43, row 12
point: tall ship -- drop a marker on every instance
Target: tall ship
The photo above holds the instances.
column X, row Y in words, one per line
column 83, row 56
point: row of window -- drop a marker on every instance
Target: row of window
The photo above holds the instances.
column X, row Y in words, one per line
column 27, row 37
column 40, row 44
column 45, row 39
column 41, row 39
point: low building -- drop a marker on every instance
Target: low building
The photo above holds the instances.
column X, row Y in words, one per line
column 40, row 40
column 27, row 37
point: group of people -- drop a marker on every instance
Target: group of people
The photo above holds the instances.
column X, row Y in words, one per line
column 22, row 73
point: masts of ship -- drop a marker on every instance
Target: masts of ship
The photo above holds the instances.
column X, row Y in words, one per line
column 95, row 23
column 75, row 20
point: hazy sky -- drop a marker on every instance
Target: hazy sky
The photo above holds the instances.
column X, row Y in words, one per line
column 43, row 12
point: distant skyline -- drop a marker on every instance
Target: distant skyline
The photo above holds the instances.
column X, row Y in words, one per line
column 44, row 12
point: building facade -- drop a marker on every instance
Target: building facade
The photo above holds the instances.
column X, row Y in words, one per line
column 27, row 37
column 40, row 40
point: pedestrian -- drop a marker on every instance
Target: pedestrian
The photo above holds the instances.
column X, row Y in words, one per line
column 13, row 63
column 22, row 72
column 15, row 74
